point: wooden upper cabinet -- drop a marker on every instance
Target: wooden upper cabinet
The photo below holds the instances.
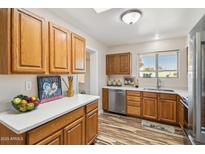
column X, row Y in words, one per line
column 60, row 49
column 78, row 54
column 124, row 66
column 29, row 42
column 24, row 45
column 5, row 41
column 110, row 64
column 118, row 64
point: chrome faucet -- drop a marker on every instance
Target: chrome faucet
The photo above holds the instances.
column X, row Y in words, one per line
column 159, row 83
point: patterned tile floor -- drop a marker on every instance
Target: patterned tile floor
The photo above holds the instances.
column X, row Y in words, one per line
column 123, row 130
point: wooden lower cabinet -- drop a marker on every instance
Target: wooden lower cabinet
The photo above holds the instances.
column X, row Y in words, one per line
column 74, row 133
column 91, row 126
column 134, row 103
column 91, row 122
column 167, row 111
column 149, row 106
column 105, row 99
column 78, row 127
column 55, row 139
column 180, row 112
column 133, row 111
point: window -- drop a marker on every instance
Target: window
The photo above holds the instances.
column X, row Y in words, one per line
column 167, row 65
column 159, row 64
column 147, row 64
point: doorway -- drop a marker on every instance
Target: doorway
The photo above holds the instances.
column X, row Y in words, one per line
column 88, row 82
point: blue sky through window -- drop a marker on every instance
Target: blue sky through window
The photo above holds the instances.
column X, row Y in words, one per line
column 148, row 61
column 167, row 62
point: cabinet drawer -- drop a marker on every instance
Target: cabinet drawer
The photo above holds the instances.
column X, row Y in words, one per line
column 49, row 128
column 133, row 98
column 150, row 94
column 133, row 103
column 91, row 106
column 131, row 110
column 168, row 96
column 133, row 93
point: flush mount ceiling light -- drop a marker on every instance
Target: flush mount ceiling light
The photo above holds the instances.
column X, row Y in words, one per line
column 156, row 37
column 100, row 10
column 131, row 16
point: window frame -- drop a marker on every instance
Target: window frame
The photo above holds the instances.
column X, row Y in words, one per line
column 156, row 55
column 155, row 69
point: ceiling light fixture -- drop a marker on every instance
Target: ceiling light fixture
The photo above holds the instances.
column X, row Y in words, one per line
column 156, row 36
column 100, row 10
column 131, row 16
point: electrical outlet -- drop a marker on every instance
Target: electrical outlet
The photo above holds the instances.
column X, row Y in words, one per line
column 28, row 85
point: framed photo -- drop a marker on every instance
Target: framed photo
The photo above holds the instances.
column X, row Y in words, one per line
column 49, row 88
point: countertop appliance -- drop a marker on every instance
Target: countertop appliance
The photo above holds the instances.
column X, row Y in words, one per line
column 117, row 101
column 196, row 82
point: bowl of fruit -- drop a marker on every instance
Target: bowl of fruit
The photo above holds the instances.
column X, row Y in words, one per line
column 25, row 103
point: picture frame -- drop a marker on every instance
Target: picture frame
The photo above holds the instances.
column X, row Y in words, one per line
column 49, row 88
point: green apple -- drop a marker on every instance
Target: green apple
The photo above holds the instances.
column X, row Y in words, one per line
column 30, row 106
column 23, row 109
column 17, row 101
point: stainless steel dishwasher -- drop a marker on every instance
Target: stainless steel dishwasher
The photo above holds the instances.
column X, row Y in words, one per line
column 117, row 101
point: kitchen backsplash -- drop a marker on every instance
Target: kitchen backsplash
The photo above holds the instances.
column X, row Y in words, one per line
column 149, row 82
column 12, row 85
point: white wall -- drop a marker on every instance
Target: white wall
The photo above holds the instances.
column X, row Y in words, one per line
column 85, row 86
column 12, row 85
column 161, row 45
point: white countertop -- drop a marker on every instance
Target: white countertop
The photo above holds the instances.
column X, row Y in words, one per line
column 22, row 122
column 180, row 92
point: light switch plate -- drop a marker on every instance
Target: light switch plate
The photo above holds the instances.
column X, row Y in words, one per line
column 28, row 85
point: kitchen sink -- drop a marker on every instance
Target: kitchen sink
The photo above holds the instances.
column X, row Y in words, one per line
column 155, row 89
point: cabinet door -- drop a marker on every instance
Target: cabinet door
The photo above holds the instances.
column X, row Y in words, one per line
column 150, row 108
column 78, row 54
column 118, row 64
column 180, row 112
column 124, row 63
column 167, row 110
column 112, row 64
column 60, row 49
column 29, row 42
column 105, row 99
column 54, row 139
column 91, row 126
column 74, row 134
column 108, row 64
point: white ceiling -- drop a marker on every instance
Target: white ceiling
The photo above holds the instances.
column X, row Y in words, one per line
column 107, row 27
